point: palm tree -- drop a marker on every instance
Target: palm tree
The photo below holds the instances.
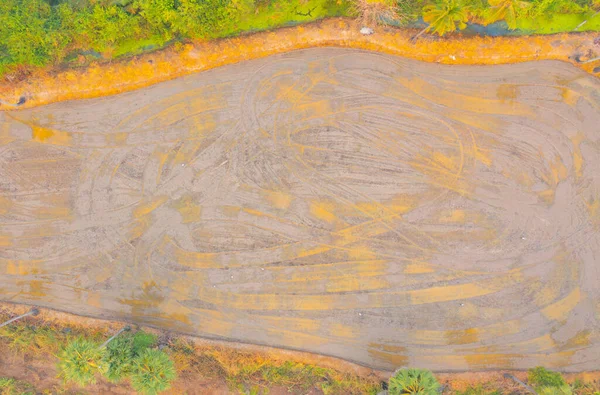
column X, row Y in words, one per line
column 507, row 10
column 444, row 17
column 81, row 359
column 153, row 372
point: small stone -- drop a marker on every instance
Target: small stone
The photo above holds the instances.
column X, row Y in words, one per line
column 367, row 31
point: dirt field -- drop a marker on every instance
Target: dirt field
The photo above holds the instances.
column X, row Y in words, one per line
column 382, row 210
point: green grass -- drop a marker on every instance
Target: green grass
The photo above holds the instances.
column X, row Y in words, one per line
column 479, row 390
column 277, row 13
column 10, row 386
column 559, row 23
column 542, row 377
column 29, row 339
column 135, row 47
column 299, row 378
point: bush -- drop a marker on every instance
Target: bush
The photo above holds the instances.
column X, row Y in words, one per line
column 31, row 34
column 122, row 351
column 413, row 381
column 101, row 27
column 185, row 18
column 80, row 360
column 153, row 371
column 541, row 377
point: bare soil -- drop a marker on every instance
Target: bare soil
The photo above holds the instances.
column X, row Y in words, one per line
column 342, row 202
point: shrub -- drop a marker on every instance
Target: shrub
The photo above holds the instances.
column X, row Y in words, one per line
column 541, row 377
column 80, row 360
column 121, row 352
column 101, row 27
column 30, row 33
column 153, row 371
column 413, row 381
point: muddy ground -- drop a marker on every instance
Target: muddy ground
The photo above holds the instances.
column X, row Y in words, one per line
column 359, row 205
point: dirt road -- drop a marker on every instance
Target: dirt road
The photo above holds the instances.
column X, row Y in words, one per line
column 348, row 203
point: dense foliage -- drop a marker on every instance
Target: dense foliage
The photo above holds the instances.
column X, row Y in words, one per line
column 37, row 33
column 128, row 355
column 42, row 32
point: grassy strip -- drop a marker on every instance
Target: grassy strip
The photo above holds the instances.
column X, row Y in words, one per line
column 10, row 386
column 558, row 23
column 254, row 372
column 77, row 32
column 243, row 371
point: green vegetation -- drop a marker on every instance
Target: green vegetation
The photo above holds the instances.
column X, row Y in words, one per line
column 413, row 381
column 134, row 357
column 542, row 377
column 445, row 17
column 554, row 23
column 123, row 351
column 10, row 386
column 129, row 355
column 152, row 372
column 36, row 33
column 249, row 372
column 80, row 362
column 547, row 382
column 480, row 390
column 530, row 16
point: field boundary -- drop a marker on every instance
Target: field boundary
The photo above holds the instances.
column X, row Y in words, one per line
column 104, row 79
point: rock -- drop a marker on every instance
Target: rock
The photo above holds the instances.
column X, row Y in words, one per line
column 367, row 31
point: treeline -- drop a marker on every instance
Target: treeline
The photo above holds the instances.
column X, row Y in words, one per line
column 40, row 32
column 37, row 33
